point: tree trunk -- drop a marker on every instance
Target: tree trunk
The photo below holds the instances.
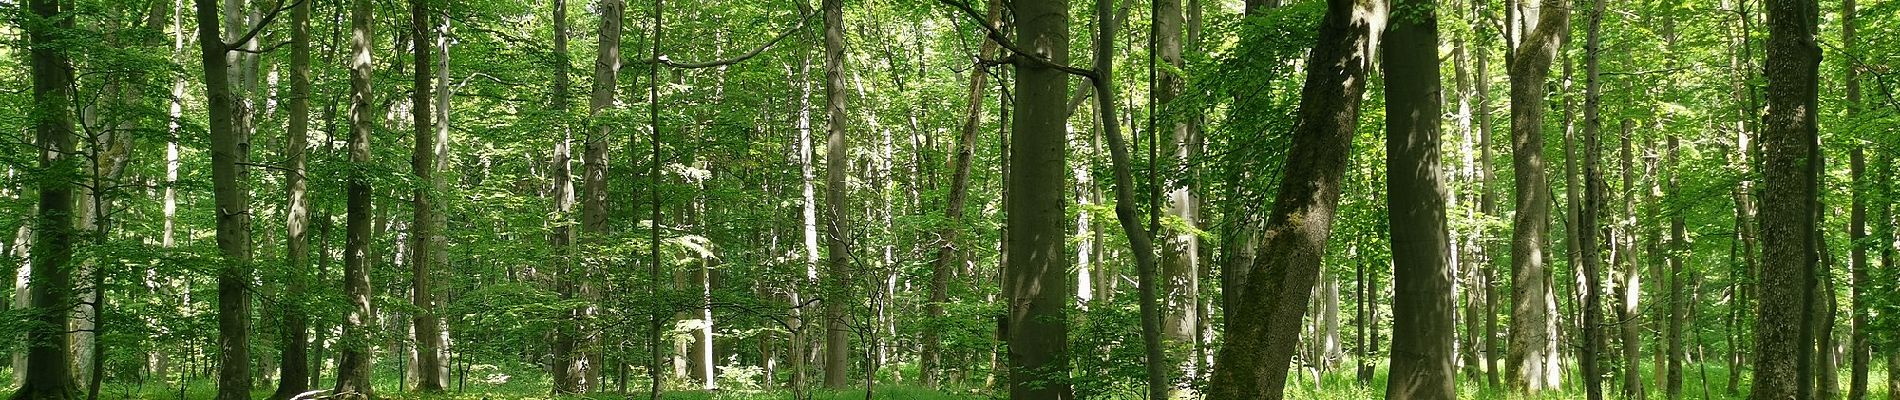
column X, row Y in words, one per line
column 941, row 269
column 1588, row 212
column 1631, row 280
column 294, row 365
column 1783, row 344
column 47, row 373
column 1275, row 296
column 1858, row 346
column 837, row 221
column 1678, row 306
column 1531, row 323
column 228, row 148
column 431, row 376
column 567, row 368
column 357, row 359
column 1180, row 249
column 1035, row 280
column 594, row 211
column 1422, row 359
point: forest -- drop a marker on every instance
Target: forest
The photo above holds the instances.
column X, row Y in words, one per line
column 950, row 199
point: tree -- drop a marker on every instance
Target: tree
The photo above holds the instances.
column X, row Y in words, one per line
column 1532, row 327
column 1180, row 250
column 294, row 366
column 229, row 148
column 1858, row 347
column 837, row 228
column 931, row 359
column 1034, row 282
column 1591, row 209
column 567, row 368
column 1790, row 148
column 594, row 212
column 356, row 362
column 1275, row 296
column 1421, row 260
column 50, row 289
column 431, row 374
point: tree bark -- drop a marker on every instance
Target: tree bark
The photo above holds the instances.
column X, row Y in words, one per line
column 1783, row 343
column 1294, row 238
column 47, row 373
column 1531, row 324
column 1588, row 212
column 294, row 365
column 431, row 376
column 229, row 145
column 1180, row 249
column 837, row 220
column 1035, row 280
column 1858, row 346
column 567, row 368
column 357, row 359
column 1422, row 359
column 594, row 211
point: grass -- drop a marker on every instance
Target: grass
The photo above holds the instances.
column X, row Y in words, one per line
column 1338, row 385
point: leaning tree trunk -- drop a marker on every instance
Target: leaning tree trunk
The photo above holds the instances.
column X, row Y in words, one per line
column 1275, row 296
column 1531, row 324
column 1422, row 366
column 940, row 271
column 47, row 368
column 1783, row 342
column 357, row 361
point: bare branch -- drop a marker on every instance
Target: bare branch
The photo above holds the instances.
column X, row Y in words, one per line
column 734, row 60
column 997, row 36
column 263, row 23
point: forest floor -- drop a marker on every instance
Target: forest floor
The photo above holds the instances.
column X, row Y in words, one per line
column 1340, row 385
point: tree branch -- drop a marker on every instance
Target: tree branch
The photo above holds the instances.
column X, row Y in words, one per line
column 263, row 23
column 997, row 36
column 662, row 60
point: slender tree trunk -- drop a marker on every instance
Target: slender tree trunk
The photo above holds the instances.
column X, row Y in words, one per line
column 1487, row 205
column 1275, row 296
column 1180, row 249
column 1034, row 282
column 1588, row 212
column 800, row 342
column 837, row 220
column 567, row 368
column 932, row 356
column 50, row 281
column 1858, row 346
column 1531, row 322
column 294, row 363
column 431, row 375
column 1631, row 280
column 1783, row 344
column 357, row 358
column 1678, row 306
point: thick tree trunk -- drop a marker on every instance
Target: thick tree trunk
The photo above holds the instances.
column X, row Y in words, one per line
column 837, row 220
column 1035, row 281
column 47, row 373
column 594, row 211
column 948, row 251
column 357, row 359
column 228, row 147
column 1783, row 343
column 1422, row 359
column 1275, row 296
column 1531, row 322
column 294, row 365
column 431, row 374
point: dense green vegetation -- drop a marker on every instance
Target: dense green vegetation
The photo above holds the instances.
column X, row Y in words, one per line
column 950, row 199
